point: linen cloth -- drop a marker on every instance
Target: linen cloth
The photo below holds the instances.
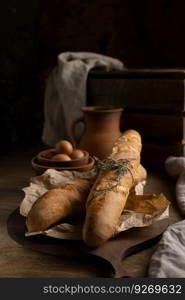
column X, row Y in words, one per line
column 65, row 92
column 168, row 261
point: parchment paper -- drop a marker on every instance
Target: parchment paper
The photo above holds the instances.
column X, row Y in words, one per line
column 141, row 210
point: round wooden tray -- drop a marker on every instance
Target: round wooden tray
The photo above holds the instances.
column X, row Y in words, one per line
column 39, row 169
column 112, row 252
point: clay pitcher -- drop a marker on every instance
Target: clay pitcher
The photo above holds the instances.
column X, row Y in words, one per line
column 101, row 130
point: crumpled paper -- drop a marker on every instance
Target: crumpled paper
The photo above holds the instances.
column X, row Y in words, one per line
column 141, row 210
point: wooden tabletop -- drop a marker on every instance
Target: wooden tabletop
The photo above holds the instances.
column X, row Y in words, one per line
column 17, row 261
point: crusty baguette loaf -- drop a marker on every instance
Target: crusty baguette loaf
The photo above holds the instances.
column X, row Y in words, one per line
column 58, row 203
column 110, row 191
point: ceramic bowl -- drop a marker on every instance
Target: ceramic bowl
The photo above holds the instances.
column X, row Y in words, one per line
column 44, row 158
column 39, row 168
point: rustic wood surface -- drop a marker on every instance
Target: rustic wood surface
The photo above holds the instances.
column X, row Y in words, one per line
column 111, row 253
column 17, row 261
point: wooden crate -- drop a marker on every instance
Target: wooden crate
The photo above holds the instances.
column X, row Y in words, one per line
column 154, row 104
column 161, row 90
column 168, row 127
column 154, row 153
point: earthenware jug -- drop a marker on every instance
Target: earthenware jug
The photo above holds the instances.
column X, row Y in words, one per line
column 101, row 129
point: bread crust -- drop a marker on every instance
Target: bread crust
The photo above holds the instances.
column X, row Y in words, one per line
column 56, row 204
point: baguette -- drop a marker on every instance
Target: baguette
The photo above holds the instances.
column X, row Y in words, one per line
column 58, row 203
column 109, row 193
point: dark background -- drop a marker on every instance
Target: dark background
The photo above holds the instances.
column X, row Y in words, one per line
column 143, row 34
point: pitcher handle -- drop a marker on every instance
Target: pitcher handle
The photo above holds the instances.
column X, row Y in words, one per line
column 73, row 129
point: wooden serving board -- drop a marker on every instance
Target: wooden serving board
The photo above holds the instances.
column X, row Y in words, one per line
column 112, row 252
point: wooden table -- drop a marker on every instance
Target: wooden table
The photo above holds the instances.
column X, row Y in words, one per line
column 17, row 261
